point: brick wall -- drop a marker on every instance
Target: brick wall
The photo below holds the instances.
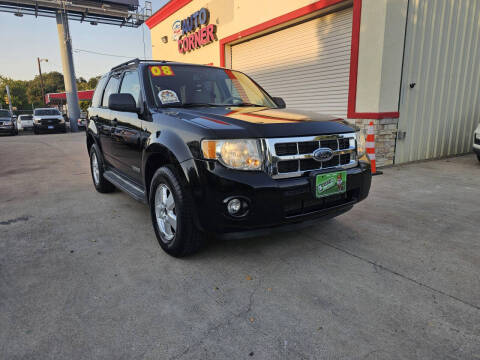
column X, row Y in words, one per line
column 385, row 134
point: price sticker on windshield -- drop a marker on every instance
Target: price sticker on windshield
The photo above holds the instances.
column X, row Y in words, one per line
column 161, row 71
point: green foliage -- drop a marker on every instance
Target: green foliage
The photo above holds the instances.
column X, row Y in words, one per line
column 25, row 94
column 84, row 105
column 52, row 82
column 17, row 92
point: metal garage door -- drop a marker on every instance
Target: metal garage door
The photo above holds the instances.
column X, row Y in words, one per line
column 308, row 65
column 442, row 58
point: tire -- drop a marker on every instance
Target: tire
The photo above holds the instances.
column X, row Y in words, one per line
column 478, row 157
column 35, row 131
column 186, row 239
column 101, row 184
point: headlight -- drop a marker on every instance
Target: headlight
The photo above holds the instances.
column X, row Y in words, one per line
column 36, row 120
column 240, row 154
column 360, row 136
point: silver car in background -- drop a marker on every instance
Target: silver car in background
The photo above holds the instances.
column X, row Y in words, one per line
column 476, row 142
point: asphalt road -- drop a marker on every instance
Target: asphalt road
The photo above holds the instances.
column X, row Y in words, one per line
column 82, row 276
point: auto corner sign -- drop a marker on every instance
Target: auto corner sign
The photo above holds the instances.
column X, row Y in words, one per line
column 196, row 31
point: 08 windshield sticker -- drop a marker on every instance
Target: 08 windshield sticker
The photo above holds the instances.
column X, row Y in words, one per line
column 161, row 71
column 168, row 96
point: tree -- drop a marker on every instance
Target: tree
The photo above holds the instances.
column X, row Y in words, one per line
column 53, row 83
column 24, row 94
column 18, row 93
column 92, row 83
column 84, row 105
column 82, row 84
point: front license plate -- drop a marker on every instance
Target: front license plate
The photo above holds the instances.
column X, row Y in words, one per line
column 330, row 183
column 50, row 126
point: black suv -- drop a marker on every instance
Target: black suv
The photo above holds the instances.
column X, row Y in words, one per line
column 211, row 152
column 8, row 123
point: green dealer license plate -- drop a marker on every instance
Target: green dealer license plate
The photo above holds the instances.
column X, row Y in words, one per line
column 330, row 183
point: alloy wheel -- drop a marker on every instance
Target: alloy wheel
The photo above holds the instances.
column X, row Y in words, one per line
column 165, row 212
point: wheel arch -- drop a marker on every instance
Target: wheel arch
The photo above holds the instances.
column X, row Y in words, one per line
column 156, row 156
column 90, row 141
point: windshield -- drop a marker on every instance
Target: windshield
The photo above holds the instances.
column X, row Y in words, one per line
column 4, row 113
column 184, row 85
column 43, row 112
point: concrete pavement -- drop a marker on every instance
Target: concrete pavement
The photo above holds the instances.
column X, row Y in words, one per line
column 82, row 275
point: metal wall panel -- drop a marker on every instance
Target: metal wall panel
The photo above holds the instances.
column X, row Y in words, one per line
column 442, row 59
column 307, row 64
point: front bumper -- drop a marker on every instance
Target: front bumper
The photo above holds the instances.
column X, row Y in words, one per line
column 272, row 202
column 7, row 129
column 50, row 127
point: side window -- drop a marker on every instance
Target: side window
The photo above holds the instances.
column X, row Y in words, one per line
column 111, row 88
column 97, row 95
column 131, row 85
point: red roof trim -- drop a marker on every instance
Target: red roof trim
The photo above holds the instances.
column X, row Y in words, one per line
column 82, row 95
column 165, row 11
column 376, row 116
column 357, row 14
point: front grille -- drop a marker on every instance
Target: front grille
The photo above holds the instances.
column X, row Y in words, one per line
column 49, row 121
column 286, row 149
column 290, row 157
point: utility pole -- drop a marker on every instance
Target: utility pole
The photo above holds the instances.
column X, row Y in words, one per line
column 41, row 77
column 9, row 99
column 73, row 108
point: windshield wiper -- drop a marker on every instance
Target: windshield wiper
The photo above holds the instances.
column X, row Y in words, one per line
column 247, row 104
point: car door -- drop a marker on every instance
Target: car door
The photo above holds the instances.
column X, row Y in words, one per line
column 127, row 135
column 105, row 121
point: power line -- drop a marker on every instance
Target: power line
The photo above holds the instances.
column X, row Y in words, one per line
column 104, row 54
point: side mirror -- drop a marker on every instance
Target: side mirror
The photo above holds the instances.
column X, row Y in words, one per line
column 280, row 102
column 122, row 102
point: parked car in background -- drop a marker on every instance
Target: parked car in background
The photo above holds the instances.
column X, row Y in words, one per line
column 25, row 122
column 82, row 121
column 8, row 124
column 48, row 119
column 476, row 142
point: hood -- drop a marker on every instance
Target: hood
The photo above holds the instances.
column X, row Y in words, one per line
column 5, row 118
column 259, row 122
column 41, row 117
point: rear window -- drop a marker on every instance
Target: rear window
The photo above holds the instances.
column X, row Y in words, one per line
column 26, row 117
column 44, row 112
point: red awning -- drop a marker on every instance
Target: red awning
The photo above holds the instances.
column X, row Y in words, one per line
column 85, row 95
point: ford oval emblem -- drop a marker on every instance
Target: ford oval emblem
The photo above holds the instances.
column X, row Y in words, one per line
column 323, row 154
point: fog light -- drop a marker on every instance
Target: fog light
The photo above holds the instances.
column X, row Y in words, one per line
column 234, row 206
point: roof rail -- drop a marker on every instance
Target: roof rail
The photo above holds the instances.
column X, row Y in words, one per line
column 136, row 61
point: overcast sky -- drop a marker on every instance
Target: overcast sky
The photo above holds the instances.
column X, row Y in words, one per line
column 26, row 38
